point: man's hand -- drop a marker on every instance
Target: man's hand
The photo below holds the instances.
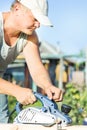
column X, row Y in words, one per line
column 54, row 93
column 25, row 96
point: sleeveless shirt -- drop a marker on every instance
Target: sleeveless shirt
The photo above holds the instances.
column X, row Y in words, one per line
column 9, row 53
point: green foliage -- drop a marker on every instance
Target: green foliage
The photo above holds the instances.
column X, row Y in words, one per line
column 11, row 105
column 77, row 99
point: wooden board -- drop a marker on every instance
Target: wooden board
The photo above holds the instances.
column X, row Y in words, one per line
column 39, row 127
column 25, row 127
column 77, row 127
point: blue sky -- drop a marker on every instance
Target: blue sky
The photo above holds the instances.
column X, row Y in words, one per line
column 69, row 18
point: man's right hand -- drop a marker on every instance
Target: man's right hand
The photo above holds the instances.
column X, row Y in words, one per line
column 25, row 96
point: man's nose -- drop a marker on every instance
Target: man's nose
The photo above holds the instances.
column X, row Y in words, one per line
column 37, row 24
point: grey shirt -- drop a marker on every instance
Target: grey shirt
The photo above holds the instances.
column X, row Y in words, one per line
column 9, row 53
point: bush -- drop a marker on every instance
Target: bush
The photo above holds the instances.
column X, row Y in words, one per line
column 11, row 105
column 77, row 99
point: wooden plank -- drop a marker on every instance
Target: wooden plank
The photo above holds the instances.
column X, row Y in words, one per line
column 76, row 127
column 39, row 127
column 26, row 127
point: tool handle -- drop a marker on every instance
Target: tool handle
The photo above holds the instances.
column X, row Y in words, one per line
column 46, row 103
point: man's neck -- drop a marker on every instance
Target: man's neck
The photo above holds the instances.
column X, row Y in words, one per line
column 9, row 25
column 10, row 32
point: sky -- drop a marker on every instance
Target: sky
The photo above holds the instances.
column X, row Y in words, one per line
column 69, row 18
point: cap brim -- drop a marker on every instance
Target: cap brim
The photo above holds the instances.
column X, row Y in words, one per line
column 44, row 20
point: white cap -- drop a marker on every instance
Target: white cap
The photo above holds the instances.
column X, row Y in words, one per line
column 39, row 10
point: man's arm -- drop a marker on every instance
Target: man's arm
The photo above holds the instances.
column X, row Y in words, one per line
column 23, row 95
column 35, row 65
column 37, row 70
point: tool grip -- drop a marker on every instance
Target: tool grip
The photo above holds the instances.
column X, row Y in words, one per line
column 46, row 102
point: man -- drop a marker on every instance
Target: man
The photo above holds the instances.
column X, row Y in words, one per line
column 17, row 34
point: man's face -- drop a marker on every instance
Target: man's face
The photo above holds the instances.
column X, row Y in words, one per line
column 25, row 21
